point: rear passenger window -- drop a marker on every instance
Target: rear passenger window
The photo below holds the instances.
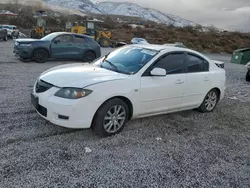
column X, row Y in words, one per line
column 196, row 64
column 172, row 63
column 79, row 39
column 64, row 38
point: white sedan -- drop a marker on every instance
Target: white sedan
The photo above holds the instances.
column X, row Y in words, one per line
column 131, row 82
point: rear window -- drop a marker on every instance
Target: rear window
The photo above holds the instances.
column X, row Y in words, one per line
column 90, row 40
column 6, row 27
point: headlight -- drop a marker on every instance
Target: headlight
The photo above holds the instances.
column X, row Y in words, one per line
column 72, row 93
column 25, row 45
column 248, row 64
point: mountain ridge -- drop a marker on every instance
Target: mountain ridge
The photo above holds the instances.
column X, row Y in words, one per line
column 122, row 9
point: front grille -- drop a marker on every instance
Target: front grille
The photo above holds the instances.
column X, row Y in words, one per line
column 42, row 86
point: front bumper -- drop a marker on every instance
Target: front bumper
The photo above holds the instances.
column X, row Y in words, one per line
column 222, row 94
column 77, row 114
column 22, row 52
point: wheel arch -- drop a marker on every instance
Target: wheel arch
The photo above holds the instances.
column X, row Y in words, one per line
column 124, row 99
column 218, row 90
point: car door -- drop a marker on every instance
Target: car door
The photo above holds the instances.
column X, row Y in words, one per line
column 80, row 45
column 160, row 94
column 62, row 47
column 198, row 80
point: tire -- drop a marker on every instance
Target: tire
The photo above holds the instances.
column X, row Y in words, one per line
column 210, row 101
column 5, row 38
column 89, row 56
column 41, row 56
column 248, row 76
column 106, row 122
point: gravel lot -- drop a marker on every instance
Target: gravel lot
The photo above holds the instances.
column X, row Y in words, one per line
column 186, row 149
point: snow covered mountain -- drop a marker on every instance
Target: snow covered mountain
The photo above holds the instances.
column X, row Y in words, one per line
column 83, row 5
column 131, row 9
column 124, row 9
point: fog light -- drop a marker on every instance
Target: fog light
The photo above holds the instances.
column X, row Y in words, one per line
column 63, row 117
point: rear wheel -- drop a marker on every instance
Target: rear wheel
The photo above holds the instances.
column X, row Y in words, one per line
column 110, row 117
column 248, row 76
column 89, row 56
column 210, row 101
column 41, row 56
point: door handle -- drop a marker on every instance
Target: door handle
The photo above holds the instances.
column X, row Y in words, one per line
column 206, row 79
column 179, row 81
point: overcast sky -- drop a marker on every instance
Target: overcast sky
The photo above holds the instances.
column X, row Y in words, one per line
column 225, row 14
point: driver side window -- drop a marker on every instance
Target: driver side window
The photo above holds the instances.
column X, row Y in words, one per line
column 172, row 63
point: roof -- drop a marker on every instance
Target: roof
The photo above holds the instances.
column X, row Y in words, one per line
column 166, row 48
column 160, row 47
column 8, row 25
column 61, row 33
column 242, row 50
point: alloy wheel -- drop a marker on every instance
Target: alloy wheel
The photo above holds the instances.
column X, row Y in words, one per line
column 40, row 56
column 211, row 100
column 114, row 119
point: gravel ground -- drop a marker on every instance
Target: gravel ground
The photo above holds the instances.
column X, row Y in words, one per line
column 186, row 149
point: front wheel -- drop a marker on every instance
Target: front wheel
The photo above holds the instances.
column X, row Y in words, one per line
column 210, row 101
column 110, row 118
column 41, row 56
column 248, row 76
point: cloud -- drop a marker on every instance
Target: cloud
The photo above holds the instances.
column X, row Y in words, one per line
column 225, row 14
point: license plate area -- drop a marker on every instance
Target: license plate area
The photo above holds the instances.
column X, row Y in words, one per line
column 40, row 109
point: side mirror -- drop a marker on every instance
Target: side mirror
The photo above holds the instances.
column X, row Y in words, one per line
column 158, row 72
column 56, row 41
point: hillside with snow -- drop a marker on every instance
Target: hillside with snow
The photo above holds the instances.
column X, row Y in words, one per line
column 123, row 9
column 131, row 9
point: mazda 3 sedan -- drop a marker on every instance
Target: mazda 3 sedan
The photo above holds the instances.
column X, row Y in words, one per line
column 131, row 82
column 58, row 45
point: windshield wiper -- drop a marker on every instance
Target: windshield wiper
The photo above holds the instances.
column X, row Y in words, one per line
column 110, row 63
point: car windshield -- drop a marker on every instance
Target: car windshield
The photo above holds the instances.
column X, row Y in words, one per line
column 50, row 37
column 126, row 60
column 6, row 27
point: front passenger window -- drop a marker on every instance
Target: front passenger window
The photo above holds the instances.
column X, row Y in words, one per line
column 172, row 63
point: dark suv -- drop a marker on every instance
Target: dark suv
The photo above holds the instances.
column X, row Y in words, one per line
column 58, row 45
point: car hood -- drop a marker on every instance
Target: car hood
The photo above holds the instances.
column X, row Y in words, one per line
column 27, row 40
column 79, row 75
